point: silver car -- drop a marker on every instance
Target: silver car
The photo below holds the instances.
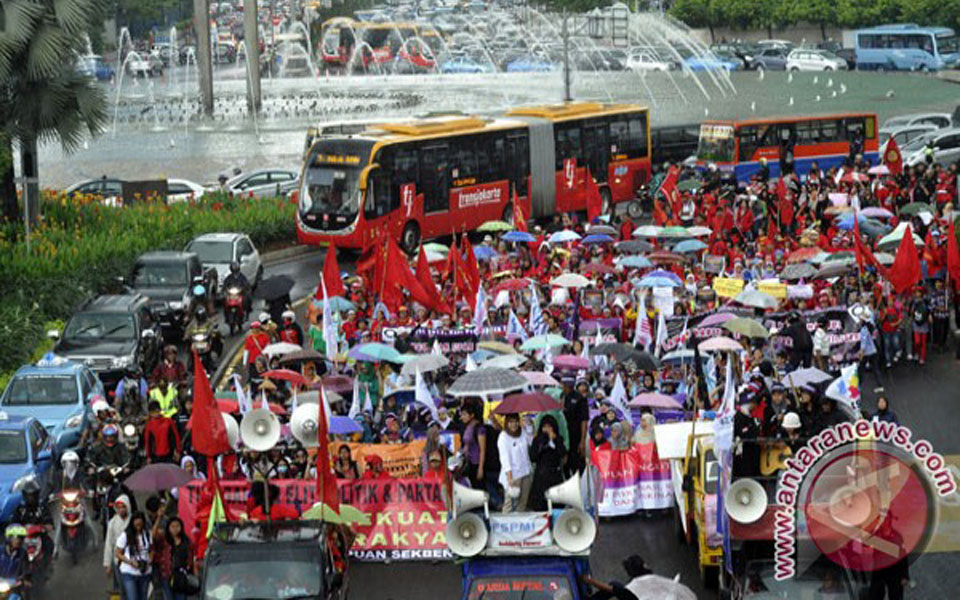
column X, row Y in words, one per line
column 218, row 250
column 263, row 183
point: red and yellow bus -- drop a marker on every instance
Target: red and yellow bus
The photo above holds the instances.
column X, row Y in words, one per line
column 738, row 146
column 423, row 178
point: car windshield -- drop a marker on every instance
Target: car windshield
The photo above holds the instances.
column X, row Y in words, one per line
column 158, row 274
column 279, row 575
column 34, row 390
column 332, row 179
column 522, row 587
column 98, row 326
column 716, row 143
column 13, row 447
column 212, row 251
column 918, row 142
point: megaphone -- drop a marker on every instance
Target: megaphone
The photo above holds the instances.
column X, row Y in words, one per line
column 567, row 493
column 746, row 501
column 466, row 499
column 467, row 534
column 260, row 430
column 233, row 430
column 574, row 530
column 303, row 425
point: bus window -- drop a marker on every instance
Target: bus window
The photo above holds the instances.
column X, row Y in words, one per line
column 405, row 167
column 567, row 143
column 638, row 135
column 517, row 159
column 435, row 177
column 808, row 132
column 830, row 131
column 463, row 171
column 748, row 142
column 380, row 200
column 596, row 148
column 487, row 167
column 619, row 135
column 853, row 126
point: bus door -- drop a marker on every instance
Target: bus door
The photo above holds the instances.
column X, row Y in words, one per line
column 570, row 167
column 787, row 137
column 435, row 181
column 596, row 149
column 855, row 134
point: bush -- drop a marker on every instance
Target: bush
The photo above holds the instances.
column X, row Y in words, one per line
column 81, row 246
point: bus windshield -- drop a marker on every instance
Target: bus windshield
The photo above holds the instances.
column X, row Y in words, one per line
column 332, row 177
column 948, row 44
column 716, row 143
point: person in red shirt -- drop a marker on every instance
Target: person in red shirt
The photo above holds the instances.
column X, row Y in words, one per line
column 374, row 468
column 278, row 512
column 161, row 442
column 254, row 343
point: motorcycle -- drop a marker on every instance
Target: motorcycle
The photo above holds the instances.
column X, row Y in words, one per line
column 234, row 308
column 38, row 559
column 73, row 526
column 202, row 343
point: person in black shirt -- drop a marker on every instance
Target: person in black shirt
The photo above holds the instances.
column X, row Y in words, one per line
column 577, row 414
column 548, row 454
column 746, row 430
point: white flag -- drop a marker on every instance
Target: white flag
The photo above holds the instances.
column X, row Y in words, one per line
column 329, row 331
column 471, row 364
column 480, row 311
column 618, row 397
column 243, row 401
column 436, row 347
column 422, row 396
column 514, row 328
column 548, row 360
column 642, row 336
column 846, row 388
column 368, row 402
column 661, row 333
column 599, row 339
column 538, row 325
column 355, row 401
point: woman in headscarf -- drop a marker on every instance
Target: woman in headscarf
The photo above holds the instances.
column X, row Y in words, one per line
column 432, row 446
column 619, row 439
column 549, row 454
column 188, row 464
column 644, row 434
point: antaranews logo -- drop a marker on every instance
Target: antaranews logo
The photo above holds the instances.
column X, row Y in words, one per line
column 867, row 494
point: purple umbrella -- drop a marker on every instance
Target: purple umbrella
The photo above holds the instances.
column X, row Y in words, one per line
column 158, row 476
column 571, row 362
column 343, row 425
column 655, row 400
column 717, row 319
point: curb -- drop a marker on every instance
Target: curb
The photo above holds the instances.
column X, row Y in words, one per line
column 284, row 254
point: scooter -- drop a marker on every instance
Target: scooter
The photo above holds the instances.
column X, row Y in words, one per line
column 73, row 525
column 10, row 589
column 202, row 343
column 234, row 308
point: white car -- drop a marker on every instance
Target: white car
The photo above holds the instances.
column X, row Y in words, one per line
column 111, row 190
column 903, row 135
column 938, row 120
column 181, row 190
column 218, row 250
column 946, row 147
column 810, row 59
column 643, row 62
column 262, row 183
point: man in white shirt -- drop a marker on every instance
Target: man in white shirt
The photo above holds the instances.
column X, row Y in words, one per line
column 116, row 526
column 516, row 473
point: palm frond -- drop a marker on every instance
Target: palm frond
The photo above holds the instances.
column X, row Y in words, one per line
column 75, row 16
column 21, row 19
column 50, row 49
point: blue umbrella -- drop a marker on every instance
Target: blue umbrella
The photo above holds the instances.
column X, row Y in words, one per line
column 845, row 221
column 518, row 236
column 375, row 352
column 344, row 425
column 689, row 246
column 635, row 262
column 656, row 281
column 597, row 238
column 563, row 236
column 668, row 274
column 484, row 252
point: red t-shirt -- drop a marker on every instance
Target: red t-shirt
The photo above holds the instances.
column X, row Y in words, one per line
column 160, row 437
column 278, row 512
column 254, row 345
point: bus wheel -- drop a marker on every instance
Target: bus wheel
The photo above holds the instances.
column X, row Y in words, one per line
column 635, row 209
column 606, row 200
column 410, row 238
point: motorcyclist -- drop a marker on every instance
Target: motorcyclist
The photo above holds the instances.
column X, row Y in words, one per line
column 34, row 512
column 131, row 439
column 131, row 393
column 201, row 325
column 13, row 559
column 108, row 451
column 166, row 396
column 237, row 279
column 72, row 477
column 290, row 331
column 103, row 415
column 170, row 368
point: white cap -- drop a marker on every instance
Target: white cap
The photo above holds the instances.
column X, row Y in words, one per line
column 791, row 420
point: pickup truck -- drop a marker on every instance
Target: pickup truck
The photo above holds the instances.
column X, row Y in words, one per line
column 168, row 279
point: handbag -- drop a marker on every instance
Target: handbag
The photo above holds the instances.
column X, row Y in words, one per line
column 184, row 582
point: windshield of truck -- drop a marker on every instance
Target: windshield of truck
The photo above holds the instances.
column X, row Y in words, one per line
column 268, row 575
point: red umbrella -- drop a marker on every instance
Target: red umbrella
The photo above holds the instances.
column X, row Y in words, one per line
column 571, row 362
column 286, row 375
column 802, row 254
column 340, row 384
column 511, row 285
column 233, row 407
column 665, row 257
column 599, row 268
column 528, row 402
column 854, row 176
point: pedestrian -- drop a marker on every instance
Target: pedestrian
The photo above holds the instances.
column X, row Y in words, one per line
column 115, row 528
column 890, row 320
column 161, row 440
column 921, row 319
column 134, row 555
column 474, row 443
column 344, row 466
column 883, row 412
column 516, row 471
column 173, row 559
column 548, row 453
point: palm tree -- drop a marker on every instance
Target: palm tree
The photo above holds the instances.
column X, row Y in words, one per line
column 43, row 97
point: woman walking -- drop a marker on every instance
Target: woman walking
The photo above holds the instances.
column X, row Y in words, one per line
column 174, row 560
column 134, row 554
column 549, row 454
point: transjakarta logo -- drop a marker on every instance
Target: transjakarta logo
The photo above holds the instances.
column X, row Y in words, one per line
column 479, row 196
column 867, row 493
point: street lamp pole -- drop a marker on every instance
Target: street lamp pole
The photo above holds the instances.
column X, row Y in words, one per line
column 567, row 95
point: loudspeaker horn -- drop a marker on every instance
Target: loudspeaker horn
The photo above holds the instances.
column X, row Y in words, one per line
column 467, row 535
column 466, row 499
column 567, row 493
column 746, row 501
column 260, row 430
column 303, row 425
column 574, row 531
column 233, row 430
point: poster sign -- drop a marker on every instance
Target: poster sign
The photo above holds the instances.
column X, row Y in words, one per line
column 459, row 340
column 609, row 330
column 400, row 460
column 663, row 300
column 727, row 287
column 634, row 479
column 774, row 288
column 714, row 264
column 520, row 531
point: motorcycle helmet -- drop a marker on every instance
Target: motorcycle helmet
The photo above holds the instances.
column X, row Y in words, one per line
column 201, row 315
column 100, row 405
column 69, row 457
column 15, row 530
column 110, row 434
column 234, row 267
column 289, row 315
column 30, row 490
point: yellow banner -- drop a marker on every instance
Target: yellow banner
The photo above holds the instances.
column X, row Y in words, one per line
column 400, row 460
column 726, row 287
column 777, row 290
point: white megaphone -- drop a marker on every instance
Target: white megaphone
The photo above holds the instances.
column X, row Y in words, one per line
column 745, row 501
column 466, row 499
column 567, row 493
column 233, row 430
column 303, row 425
column 260, row 430
column 467, row 533
column 574, row 530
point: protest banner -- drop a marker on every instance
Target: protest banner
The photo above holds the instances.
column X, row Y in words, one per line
column 727, row 287
column 407, row 517
column 634, row 479
column 609, row 330
column 400, row 460
column 775, row 289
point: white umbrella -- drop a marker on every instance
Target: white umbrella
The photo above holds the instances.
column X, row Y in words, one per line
column 425, row 363
column 699, row 230
column 656, row 587
column 719, row 343
column 487, row 381
column 280, row 348
column 574, row 280
column 506, row 361
column 892, row 239
column 563, row 236
column 646, row 231
column 756, row 299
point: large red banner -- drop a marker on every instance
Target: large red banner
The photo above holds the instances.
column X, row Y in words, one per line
column 407, row 516
column 634, row 479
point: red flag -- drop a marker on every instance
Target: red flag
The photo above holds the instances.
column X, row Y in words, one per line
column 425, row 280
column 206, row 423
column 659, row 216
column 863, row 251
column 326, row 480
column 470, row 266
column 668, row 186
column 400, row 279
column 953, row 256
column 519, row 222
column 594, row 200
column 331, row 275
column 905, row 271
column 892, row 157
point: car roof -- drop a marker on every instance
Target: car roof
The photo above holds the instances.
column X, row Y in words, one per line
column 224, row 236
column 164, row 255
column 10, row 422
column 50, row 364
column 939, row 133
column 113, row 303
column 896, row 128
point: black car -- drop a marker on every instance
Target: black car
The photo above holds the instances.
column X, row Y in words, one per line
column 167, row 278
column 110, row 334
column 273, row 560
column 674, row 143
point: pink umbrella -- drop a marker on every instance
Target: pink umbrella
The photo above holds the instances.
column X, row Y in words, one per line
column 719, row 343
column 838, row 198
column 876, row 212
column 539, row 378
column 286, row 375
column 337, row 383
column 717, row 319
column 655, row 400
column 571, row 362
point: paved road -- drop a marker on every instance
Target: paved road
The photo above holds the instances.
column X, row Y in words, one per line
column 924, row 399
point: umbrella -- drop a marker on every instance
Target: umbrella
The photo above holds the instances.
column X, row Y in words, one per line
column 281, row 348
column 571, row 362
column 621, row 352
column 563, row 236
column 842, row 256
column 487, row 380
column 719, row 343
column 424, row 363
column 668, row 274
column 286, row 375
column 879, row 170
column 654, row 400
column 876, row 212
column 527, row 402
column 689, row 246
column 574, row 280
column 845, row 221
column 643, row 360
column 436, row 247
column 802, row 254
column 657, row 587
column 158, row 476
column 892, row 239
column 518, row 236
column 598, row 268
column 301, row 356
column 651, row 280
column 495, row 226
column 323, row 512
column 597, row 238
column 674, row 232
column 339, row 303
column 748, row 327
column 798, row 271
column 833, row 269
column 634, row 262
column 717, row 319
column 539, row 378
column 506, row 361
column 344, row 425
column 233, row 407
column 756, row 299
column 511, row 285
column 634, row 246
column 915, row 208
column 378, row 352
column 498, row 347
column 801, row 377
column 337, row 383
column 854, row 176
column 678, row 356
column 484, row 252
column 699, row 231
column 663, row 256
column 274, row 287
column 688, row 185
column 601, row 229
column 540, row 342
column 647, row 231
column 884, row 258
column 434, row 257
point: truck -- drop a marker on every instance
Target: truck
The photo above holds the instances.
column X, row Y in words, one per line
column 528, row 577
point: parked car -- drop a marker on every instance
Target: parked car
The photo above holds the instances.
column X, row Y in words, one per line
column 181, row 190
column 110, row 334
column 770, row 59
column 782, row 44
column 218, row 250
column 464, row 64
column 93, row 66
column 810, row 59
column 641, row 62
column 938, row 120
column 166, row 278
column 26, row 452
column 530, row 64
column 263, row 183
column 57, row 392
column 107, row 188
column 138, row 66
column 709, row 62
column 946, row 147
column 903, row 135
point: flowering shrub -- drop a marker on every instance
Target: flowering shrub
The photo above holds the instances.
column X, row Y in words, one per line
column 81, row 246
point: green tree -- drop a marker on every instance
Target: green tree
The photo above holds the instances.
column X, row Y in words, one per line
column 42, row 95
column 698, row 13
column 820, row 12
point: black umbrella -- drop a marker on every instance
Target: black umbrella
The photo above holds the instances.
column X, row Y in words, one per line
column 300, row 356
column 644, row 361
column 274, row 287
column 634, row 246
